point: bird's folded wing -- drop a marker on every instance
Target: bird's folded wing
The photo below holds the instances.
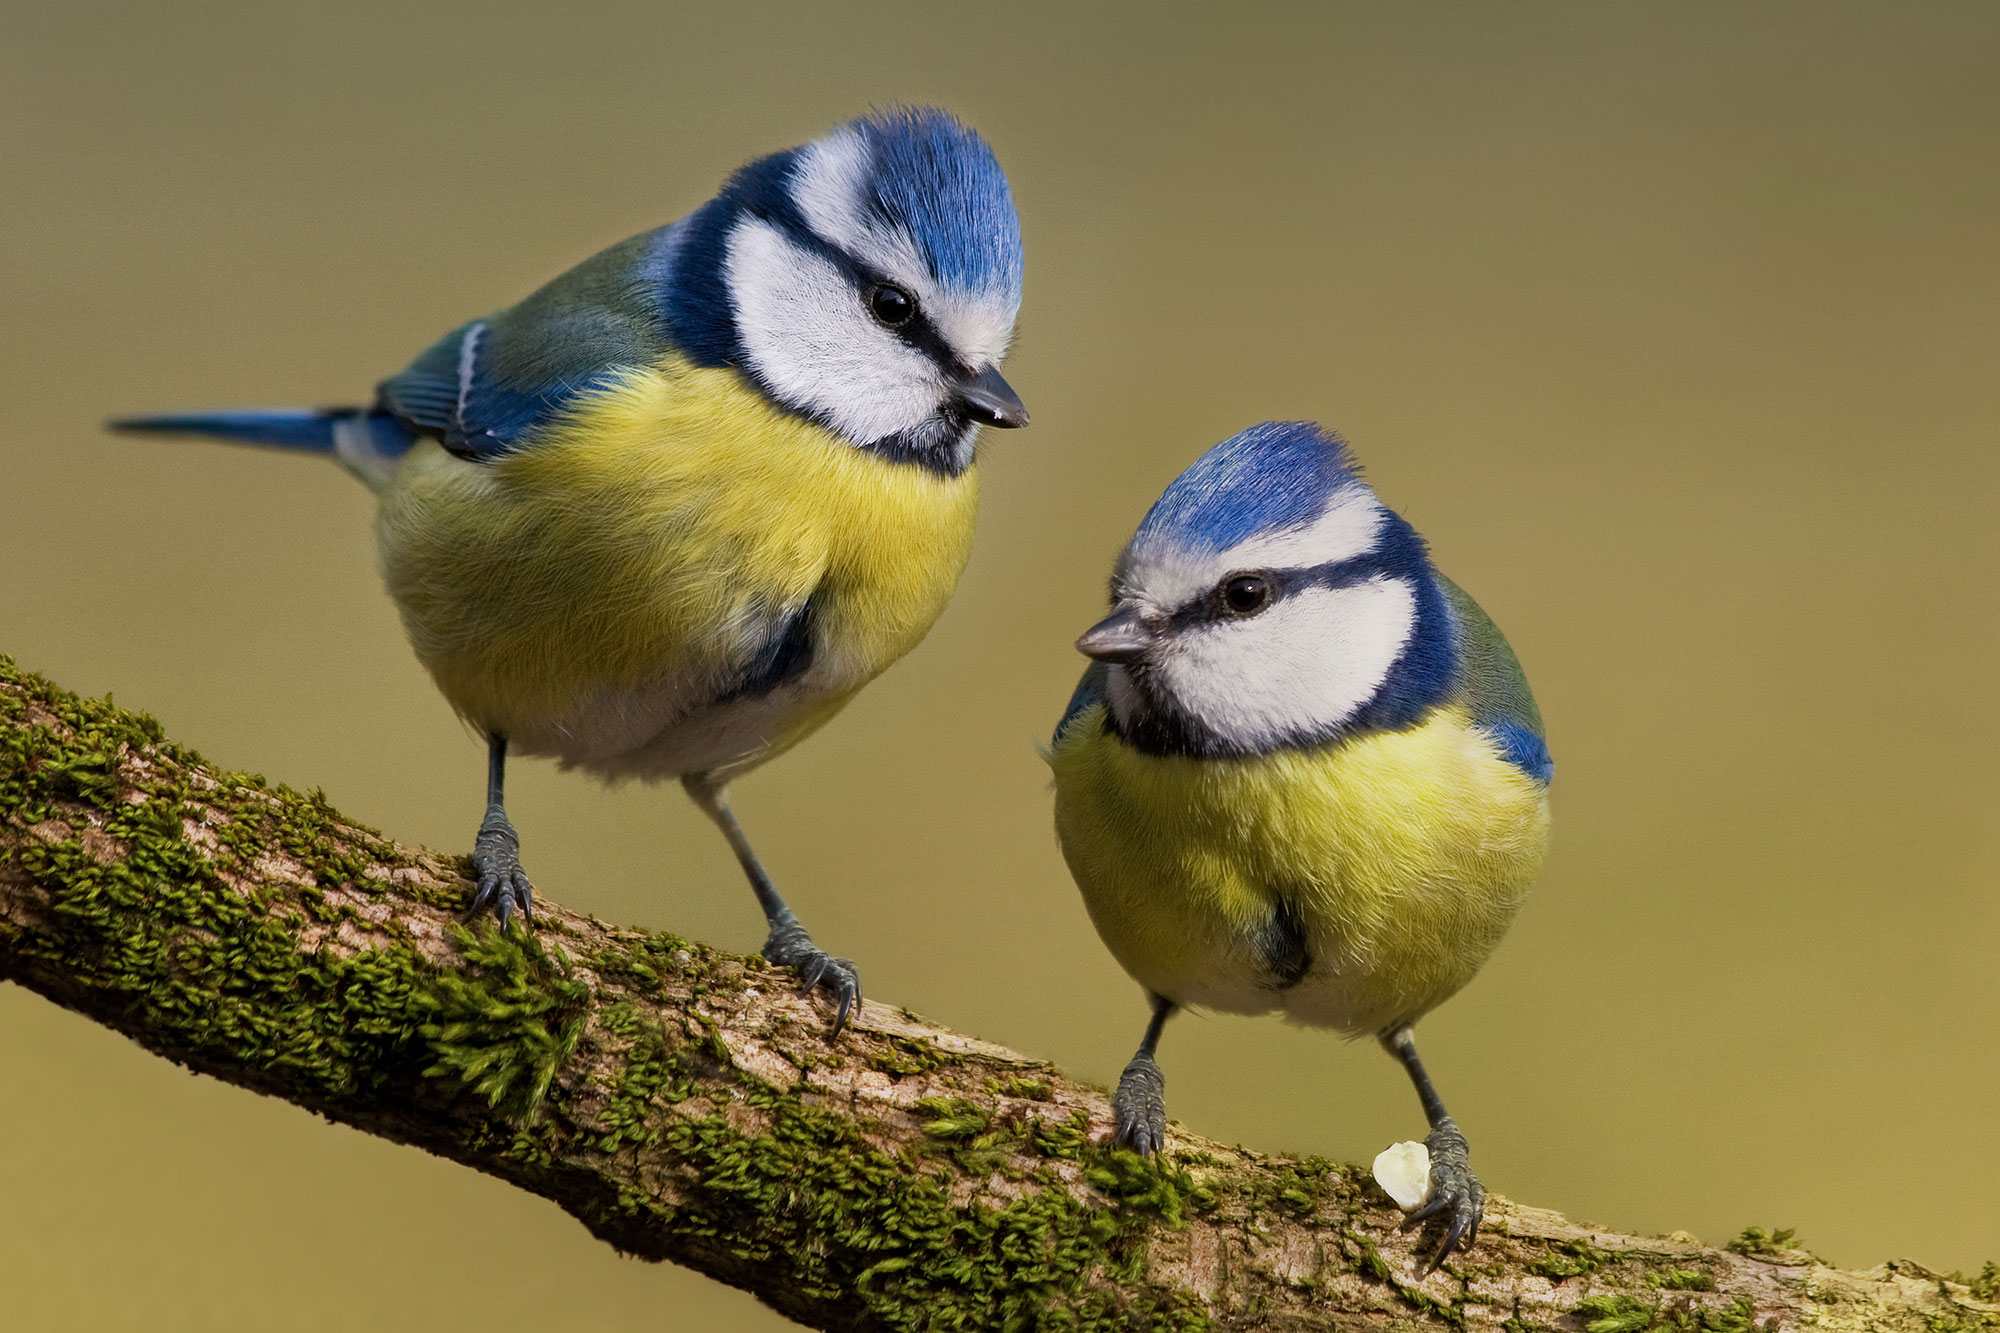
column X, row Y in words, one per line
column 1496, row 687
column 488, row 387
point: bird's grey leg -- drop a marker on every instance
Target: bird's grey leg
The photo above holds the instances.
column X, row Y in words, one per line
column 788, row 945
column 496, row 852
column 1456, row 1195
column 1140, row 1104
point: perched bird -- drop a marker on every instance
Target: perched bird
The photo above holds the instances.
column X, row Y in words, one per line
column 1303, row 772
column 664, row 517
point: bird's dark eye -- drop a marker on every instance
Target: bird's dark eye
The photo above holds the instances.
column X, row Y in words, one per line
column 1245, row 594
column 891, row 306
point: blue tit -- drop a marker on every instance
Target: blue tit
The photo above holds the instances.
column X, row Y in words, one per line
column 664, row 517
column 1303, row 772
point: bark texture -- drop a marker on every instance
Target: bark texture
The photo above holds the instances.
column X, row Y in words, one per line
column 685, row 1105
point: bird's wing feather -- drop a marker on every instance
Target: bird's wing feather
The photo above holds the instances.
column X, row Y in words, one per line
column 487, row 387
column 1089, row 690
column 1496, row 688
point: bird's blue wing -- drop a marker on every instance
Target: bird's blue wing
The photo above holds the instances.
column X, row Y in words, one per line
column 1496, row 687
column 486, row 388
column 431, row 393
column 1089, row 690
column 455, row 392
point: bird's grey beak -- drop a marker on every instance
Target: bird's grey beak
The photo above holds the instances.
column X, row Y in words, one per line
column 990, row 399
column 1121, row 637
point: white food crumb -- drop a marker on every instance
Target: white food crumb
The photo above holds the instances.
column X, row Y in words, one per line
column 1403, row 1170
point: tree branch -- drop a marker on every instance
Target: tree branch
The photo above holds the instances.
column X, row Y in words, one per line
column 685, row 1105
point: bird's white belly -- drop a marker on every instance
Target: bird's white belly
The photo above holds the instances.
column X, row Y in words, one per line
column 673, row 726
column 1235, row 978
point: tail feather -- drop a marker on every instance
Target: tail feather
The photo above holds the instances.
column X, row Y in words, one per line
column 278, row 427
column 371, row 445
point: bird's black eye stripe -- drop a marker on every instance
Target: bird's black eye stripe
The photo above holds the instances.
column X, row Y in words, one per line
column 891, row 306
column 1248, row 592
column 908, row 322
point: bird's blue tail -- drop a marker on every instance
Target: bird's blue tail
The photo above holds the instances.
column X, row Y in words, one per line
column 371, row 445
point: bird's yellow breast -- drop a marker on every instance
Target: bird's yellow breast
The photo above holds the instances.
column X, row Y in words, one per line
column 1405, row 853
column 640, row 546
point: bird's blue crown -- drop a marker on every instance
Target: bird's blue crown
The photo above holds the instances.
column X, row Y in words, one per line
column 937, row 179
column 1278, row 475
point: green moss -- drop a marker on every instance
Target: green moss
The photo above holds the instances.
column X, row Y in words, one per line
column 1066, row 1138
column 711, row 1042
column 652, row 1073
column 1366, row 1258
column 1302, row 1189
column 201, row 970
column 1755, row 1241
column 1150, row 1184
column 643, row 962
column 503, row 1025
column 1573, row 1258
column 1959, row 1320
column 954, row 1118
column 809, row 1193
column 1616, row 1314
column 1739, row 1316
column 1028, row 1089
column 1628, row 1314
column 906, row 1056
column 971, row 1136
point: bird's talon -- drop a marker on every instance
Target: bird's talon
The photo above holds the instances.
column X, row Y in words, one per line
column 502, row 885
column 1456, row 1196
column 1140, row 1107
column 790, row 946
column 810, row 977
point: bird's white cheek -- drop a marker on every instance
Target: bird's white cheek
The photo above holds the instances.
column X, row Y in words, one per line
column 1306, row 665
column 806, row 334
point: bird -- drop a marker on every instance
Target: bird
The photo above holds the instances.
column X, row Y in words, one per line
column 1303, row 773
column 665, row 516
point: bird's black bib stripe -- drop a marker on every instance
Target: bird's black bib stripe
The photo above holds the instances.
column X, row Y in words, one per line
column 1283, row 945
column 784, row 657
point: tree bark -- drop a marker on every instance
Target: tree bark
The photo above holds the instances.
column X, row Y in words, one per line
column 685, row 1105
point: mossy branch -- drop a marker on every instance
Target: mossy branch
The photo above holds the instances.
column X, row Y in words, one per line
column 685, row 1105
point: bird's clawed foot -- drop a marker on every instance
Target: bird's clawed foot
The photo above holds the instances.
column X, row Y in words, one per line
column 1140, row 1106
column 790, row 946
column 1457, row 1200
column 496, row 866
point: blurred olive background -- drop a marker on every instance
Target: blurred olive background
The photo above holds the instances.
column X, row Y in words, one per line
column 1674, row 327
